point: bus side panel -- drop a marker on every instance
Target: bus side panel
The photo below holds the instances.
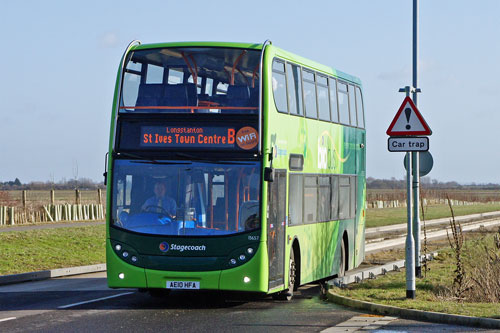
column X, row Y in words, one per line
column 327, row 149
column 133, row 276
column 319, row 249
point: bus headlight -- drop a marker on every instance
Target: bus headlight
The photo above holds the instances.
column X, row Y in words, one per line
column 250, row 250
column 232, row 261
column 242, row 257
column 246, row 279
column 121, row 276
column 118, row 247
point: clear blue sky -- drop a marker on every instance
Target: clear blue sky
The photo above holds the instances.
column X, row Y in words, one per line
column 59, row 62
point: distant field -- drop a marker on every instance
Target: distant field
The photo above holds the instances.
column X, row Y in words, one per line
column 376, row 217
column 483, row 196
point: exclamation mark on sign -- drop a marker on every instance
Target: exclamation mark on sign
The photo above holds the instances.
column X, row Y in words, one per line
column 408, row 114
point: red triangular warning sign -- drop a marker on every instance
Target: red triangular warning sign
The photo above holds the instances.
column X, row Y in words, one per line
column 408, row 121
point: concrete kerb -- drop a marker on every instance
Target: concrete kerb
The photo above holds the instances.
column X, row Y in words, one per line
column 52, row 273
column 370, row 273
column 436, row 317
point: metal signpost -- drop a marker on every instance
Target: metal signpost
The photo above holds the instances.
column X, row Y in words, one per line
column 405, row 129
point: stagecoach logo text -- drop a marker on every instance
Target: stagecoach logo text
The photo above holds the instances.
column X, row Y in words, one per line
column 164, row 247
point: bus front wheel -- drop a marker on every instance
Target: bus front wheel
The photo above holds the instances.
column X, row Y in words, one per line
column 287, row 295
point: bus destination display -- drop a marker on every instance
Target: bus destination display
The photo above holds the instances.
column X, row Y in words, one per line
column 198, row 137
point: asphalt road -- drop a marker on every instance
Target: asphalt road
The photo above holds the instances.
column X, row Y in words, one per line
column 84, row 304
column 48, row 306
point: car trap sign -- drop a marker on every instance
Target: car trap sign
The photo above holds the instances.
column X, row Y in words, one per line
column 408, row 143
column 408, row 121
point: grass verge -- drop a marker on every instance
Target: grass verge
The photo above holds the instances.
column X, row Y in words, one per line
column 434, row 292
column 376, row 217
column 35, row 250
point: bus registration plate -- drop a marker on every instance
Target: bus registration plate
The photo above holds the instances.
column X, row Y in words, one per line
column 183, row 285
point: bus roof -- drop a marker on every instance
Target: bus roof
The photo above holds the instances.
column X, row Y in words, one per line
column 282, row 53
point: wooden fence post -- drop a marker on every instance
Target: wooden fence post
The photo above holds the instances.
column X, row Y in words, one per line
column 52, row 197
column 77, row 197
column 99, row 198
column 24, row 199
column 11, row 216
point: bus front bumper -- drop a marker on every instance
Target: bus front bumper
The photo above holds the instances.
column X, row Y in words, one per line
column 249, row 277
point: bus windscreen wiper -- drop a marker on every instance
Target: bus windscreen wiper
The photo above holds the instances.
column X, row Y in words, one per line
column 195, row 157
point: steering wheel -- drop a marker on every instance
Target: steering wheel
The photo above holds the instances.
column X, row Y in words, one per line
column 159, row 210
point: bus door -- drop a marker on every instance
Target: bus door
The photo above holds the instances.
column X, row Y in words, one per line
column 276, row 221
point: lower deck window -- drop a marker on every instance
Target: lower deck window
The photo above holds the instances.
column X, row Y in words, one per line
column 295, row 199
column 321, row 198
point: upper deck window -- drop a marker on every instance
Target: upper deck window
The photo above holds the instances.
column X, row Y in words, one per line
column 191, row 80
column 309, row 94
column 359, row 108
column 294, row 89
column 323, row 106
column 279, row 86
column 352, row 106
column 333, row 100
column 343, row 103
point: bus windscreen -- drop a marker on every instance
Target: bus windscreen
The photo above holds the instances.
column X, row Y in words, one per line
column 191, row 80
column 177, row 198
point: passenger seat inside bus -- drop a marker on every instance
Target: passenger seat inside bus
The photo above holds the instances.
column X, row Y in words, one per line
column 180, row 95
column 238, row 96
column 154, row 94
column 149, row 94
column 219, row 213
column 254, row 98
column 248, row 217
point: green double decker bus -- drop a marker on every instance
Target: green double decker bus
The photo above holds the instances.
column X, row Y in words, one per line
column 233, row 167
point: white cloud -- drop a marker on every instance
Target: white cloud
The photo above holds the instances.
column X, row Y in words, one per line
column 109, row 39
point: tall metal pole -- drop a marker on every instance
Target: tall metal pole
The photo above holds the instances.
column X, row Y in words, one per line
column 410, row 244
column 415, row 155
column 415, row 51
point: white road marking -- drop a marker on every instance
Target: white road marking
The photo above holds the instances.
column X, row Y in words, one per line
column 360, row 323
column 5, row 319
column 93, row 300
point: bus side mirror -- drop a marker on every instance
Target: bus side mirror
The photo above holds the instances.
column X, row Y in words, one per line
column 105, row 174
column 268, row 174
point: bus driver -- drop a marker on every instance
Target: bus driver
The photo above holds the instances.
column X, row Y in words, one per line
column 160, row 203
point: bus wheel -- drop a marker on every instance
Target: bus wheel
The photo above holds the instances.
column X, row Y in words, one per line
column 342, row 260
column 287, row 295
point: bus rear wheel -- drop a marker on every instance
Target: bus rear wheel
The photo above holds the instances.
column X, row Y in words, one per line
column 342, row 260
column 287, row 295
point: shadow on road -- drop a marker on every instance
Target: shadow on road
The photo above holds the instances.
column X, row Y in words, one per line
column 15, row 299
